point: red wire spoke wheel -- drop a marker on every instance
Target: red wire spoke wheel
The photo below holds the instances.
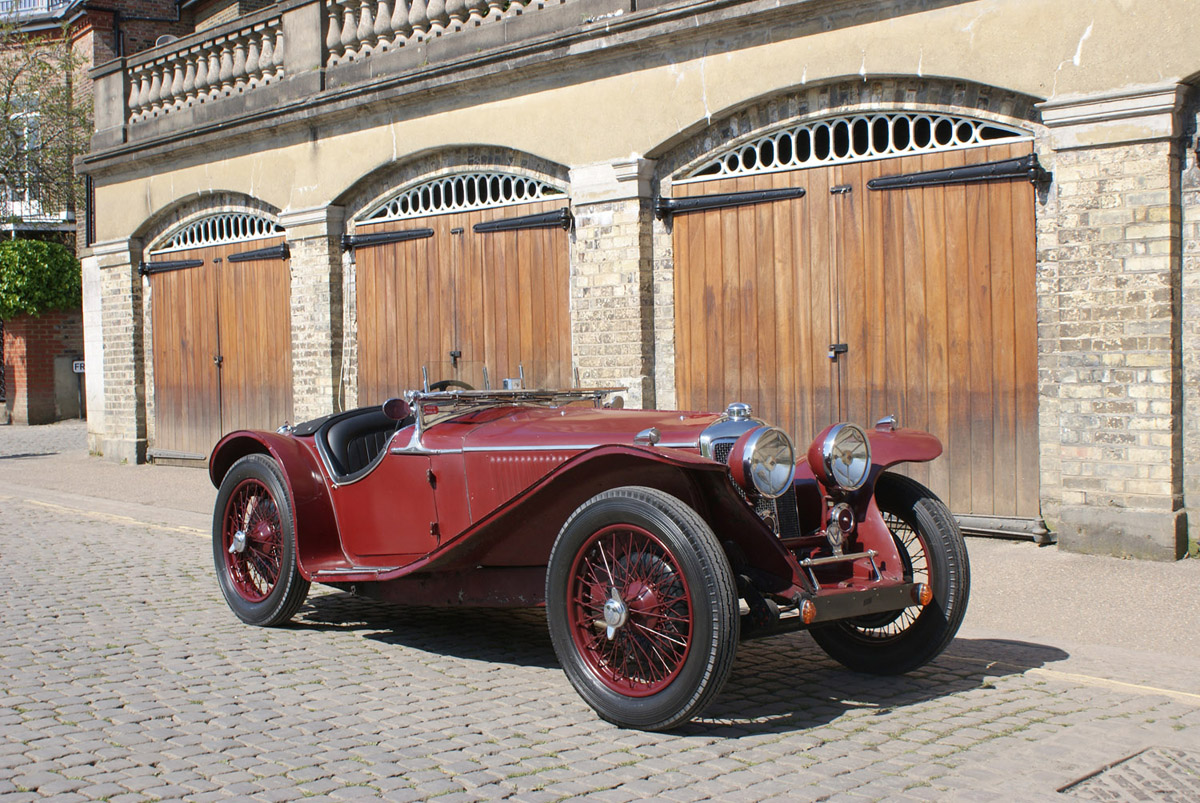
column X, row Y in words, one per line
column 630, row 610
column 932, row 549
column 254, row 544
column 253, row 541
column 642, row 608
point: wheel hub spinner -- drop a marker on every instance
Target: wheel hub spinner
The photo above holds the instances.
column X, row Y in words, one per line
column 615, row 614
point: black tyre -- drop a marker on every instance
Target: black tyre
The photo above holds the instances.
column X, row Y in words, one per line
column 642, row 608
column 254, row 544
column 934, row 552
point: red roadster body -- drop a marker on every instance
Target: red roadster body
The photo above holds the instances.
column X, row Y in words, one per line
column 654, row 539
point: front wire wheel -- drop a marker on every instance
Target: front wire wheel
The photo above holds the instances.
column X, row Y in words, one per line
column 932, row 551
column 254, row 544
column 642, row 609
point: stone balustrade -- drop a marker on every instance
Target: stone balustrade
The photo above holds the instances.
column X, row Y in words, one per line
column 216, row 76
column 356, row 29
column 232, row 62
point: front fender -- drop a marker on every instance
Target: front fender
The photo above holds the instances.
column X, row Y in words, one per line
column 521, row 532
column 892, row 446
column 317, row 539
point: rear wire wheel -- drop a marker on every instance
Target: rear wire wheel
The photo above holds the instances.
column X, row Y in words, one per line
column 642, row 608
column 254, row 544
column 932, row 551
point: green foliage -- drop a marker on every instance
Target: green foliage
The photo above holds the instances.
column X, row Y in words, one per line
column 37, row 277
column 44, row 122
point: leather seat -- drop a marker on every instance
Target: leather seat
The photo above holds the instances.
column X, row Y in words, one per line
column 354, row 442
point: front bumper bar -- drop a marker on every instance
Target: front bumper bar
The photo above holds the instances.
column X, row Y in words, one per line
column 833, row 605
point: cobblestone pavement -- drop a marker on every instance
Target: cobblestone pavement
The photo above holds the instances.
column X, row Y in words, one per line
column 124, row 677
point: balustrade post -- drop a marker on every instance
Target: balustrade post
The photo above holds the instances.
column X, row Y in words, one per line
column 239, row 66
column 333, row 30
column 252, row 62
column 418, row 19
column 189, row 80
column 438, row 19
column 202, row 78
column 175, row 95
column 366, row 30
column 226, row 74
column 400, row 24
column 266, row 63
column 349, row 30
column 383, row 26
column 155, row 91
column 456, row 11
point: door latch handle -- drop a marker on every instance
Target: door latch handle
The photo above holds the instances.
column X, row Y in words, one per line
column 835, row 349
column 217, row 360
column 455, row 356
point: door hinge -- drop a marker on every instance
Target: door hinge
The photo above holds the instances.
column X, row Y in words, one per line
column 435, row 531
column 837, row 348
column 432, row 478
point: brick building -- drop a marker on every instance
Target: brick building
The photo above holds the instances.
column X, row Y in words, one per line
column 978, row 215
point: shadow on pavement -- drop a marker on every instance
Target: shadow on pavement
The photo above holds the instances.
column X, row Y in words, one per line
column 783, row 683
column 788, row 683
column 517, row 636
column 25, row 455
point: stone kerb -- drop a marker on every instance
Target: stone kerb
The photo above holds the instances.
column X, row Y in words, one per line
column 1116, row 371
column 612, row 337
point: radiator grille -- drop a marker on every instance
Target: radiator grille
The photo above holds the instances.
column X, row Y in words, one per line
column 780, row 513
column 788, row 515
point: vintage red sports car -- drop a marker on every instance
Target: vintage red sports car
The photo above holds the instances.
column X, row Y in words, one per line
column 654, row 539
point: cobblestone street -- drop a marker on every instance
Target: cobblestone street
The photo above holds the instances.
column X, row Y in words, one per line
column 124, row 677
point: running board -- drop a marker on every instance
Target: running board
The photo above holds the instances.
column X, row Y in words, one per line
column 349, row 574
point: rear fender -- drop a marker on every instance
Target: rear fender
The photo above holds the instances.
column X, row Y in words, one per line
column 522, row 532
column 317, row 540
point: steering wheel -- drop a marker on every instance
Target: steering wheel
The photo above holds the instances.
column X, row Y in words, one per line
column 446, row 384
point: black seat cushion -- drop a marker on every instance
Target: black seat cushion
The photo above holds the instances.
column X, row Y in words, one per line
column 353, row 442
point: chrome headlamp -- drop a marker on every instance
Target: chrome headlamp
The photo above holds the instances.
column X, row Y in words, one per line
column 846, row 456
column 764, row 460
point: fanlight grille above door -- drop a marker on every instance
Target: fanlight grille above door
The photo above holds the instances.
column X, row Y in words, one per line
column 220, row 229
column 854, row 138
column 462, row 193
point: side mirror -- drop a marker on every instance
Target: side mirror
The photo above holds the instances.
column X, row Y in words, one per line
column 397, row 409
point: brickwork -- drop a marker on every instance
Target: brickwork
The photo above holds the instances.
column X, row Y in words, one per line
column 1108, row 293
column 219, row 12
column 611, row 298
column 31, row 345
column 1190, row 329
column 124, row 357
column 316, row 325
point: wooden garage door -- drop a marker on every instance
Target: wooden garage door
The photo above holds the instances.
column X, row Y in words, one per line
column 495, row 298
column 221, row 319
column 930, row 291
